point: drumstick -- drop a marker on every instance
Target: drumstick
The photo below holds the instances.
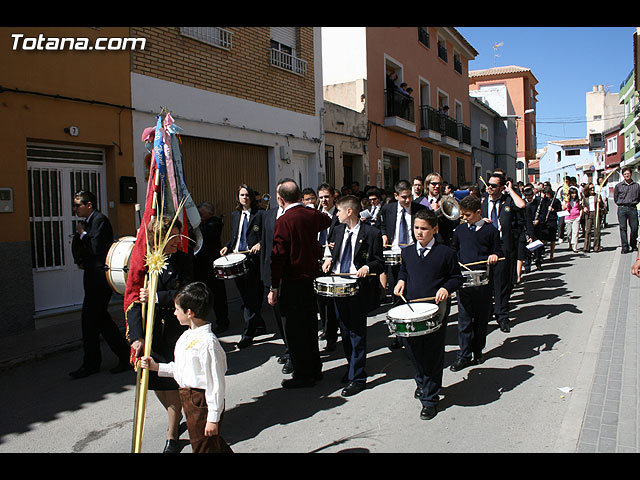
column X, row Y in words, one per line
column 421, row 299
column 464, row 266
column 478, row 263
column 368, row 274
column 405, row 301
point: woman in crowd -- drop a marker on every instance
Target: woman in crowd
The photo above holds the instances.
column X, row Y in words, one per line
column 572, row 220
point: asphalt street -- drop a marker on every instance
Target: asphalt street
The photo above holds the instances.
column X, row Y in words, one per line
column 537, row 390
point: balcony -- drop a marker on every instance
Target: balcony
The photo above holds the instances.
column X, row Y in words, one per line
column 439, row 128
column 398, row 112
column 288, row 62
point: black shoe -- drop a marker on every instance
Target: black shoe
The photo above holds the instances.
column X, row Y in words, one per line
column 287, row 367
column 330, row 346
column 171, row 446
column 460, row 363
column 353, row 388
column 245, row 342
column 282, row 359
column 298, row 383
column 427, row 413
column 261, row 330
column 504, row 327
column 625, row 250
column 417, row 393
column 395, row 344
column 83, row 372
column 121, row 367
column 477, row 358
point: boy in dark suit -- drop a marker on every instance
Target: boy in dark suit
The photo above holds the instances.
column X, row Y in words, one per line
column 357, row 250
column 429, row 269
column 396, row 225
column 474, row 241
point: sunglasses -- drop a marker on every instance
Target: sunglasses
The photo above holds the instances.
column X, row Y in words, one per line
column 435, row 184
column 493, row 185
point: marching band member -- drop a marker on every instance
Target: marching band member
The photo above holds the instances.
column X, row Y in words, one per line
column 358, row 250
column 245, row 238
column 428, row 269
column 474, row 241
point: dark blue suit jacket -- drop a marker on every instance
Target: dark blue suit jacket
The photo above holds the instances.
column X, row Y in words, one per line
column 368, row 251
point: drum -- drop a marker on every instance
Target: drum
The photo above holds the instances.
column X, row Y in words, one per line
column 414, row 320
column 117, row 263
column 392, row 257
column 475, row 278
column 230, row 266
column 331, row 286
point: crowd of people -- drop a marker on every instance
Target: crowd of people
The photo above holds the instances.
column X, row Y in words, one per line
column 391, row 249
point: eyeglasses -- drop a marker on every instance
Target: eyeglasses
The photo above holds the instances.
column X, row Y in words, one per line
column 493, row 185
column 435, row 183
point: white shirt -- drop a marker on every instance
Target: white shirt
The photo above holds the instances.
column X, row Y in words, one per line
column 244, row 217
column 407, row 217
column 200, row 362
column 428, row 247
column 478, row 224
column 354, row 236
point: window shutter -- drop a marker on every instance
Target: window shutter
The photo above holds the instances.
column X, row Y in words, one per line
column 284, row 35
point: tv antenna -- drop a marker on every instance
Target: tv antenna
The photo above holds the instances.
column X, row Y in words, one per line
column 495, row 50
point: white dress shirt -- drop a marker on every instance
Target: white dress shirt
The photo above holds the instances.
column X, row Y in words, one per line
column 428, row 247
column 354, row 236
column 245, row 216
column 200, row 362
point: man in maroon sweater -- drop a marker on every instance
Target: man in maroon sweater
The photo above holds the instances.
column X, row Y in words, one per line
column 294, row 266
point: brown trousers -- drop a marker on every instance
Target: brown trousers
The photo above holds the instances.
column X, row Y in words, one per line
column 194, row 405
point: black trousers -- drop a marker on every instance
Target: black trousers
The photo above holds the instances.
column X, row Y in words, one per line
column 426, row 353
column 328, row 318
column 502, row 278
column 626, row 215
column 352, row 318
column 299, row 308
column 474, row 313
column 251, row 292
column 97, row 321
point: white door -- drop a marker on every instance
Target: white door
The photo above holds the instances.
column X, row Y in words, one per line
column 300, row 167
column 54, row 174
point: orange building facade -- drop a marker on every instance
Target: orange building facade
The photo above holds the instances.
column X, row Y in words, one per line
column 66, row 117
column 411, row 136
column 521, row 85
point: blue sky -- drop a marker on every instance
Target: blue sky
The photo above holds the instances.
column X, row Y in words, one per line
column 567, row 61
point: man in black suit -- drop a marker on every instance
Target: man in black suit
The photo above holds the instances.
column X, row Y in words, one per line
column 358, row 250
column 502, row 207
column 211, row 229
column 96, row 236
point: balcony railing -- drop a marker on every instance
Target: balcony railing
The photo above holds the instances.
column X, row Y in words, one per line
column 429, row 118
column 442, row 52
column 432, row 119
column 397, row 104
column 288, row 62
column 423, row 36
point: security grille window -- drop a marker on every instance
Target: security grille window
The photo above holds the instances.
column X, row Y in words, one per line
column 215, row 36
column 283, row 50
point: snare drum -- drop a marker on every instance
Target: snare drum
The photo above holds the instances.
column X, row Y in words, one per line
column 475, row 278
column 335, row 286
column 117, row 263
column 392, row 257
column 423, row 319
column 230, row 266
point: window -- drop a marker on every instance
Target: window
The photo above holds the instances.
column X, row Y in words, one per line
column 612, row 145
column 457, row 62
column 423, row 36
column 442, row 50
column 283, row 50
column 427, row 161
column 572, row 152
column 215, row 36
column 484, row 136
